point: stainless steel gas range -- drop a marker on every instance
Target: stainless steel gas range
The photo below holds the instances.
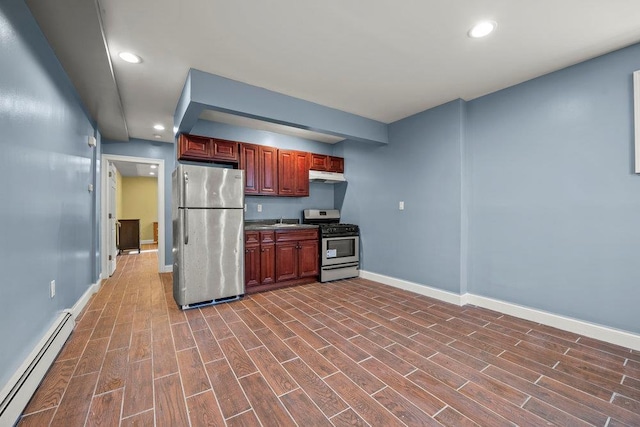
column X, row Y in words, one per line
column 339, row 244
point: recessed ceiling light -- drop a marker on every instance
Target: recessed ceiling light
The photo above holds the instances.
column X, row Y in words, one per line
column 154, row 166
column 158, row 127
column 482, row 29
column 130, row 57
column 156, row 136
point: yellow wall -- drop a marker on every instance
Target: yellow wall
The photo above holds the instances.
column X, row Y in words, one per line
column 118, row 195
column 140, row 200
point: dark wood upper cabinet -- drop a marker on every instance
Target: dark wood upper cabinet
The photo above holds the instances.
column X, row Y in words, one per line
column 249, row 159
column 286, row 173
column 224, row 150
column 268, row 170
column 319, row 162
column 268, row 177
column 205, row 149
column 260, row 164
column 293, row 173
column 322, row 162
column 194, row 148
column 301, row 160
column 336, row 164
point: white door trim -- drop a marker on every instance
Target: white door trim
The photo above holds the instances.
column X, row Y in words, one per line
column 104, row 251
column 113, row 224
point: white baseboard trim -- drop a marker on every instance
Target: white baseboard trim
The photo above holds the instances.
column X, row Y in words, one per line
column 17, row 392
column 587, row 329
column 168, row 269
column 425, row 290
column 147, row 242
column 84, row 299
column 581, row 327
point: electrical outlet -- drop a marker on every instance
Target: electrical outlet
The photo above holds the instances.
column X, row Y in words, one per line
column 401, row 206
column 52, row 288
column 259, row 208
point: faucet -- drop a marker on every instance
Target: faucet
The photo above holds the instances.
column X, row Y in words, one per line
column 281, row 217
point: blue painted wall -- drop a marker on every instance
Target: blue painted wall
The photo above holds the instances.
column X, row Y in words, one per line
column 46, row 219
column 320, row 195
column 422, row 167
column 526, row 195
column 554, row 205
column 151, row 150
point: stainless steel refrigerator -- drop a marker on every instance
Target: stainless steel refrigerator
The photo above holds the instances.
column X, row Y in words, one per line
column 208, row 235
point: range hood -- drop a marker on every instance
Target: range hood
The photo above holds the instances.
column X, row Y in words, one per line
column 326, row 177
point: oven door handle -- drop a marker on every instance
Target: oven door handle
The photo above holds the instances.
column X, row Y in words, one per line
column 337, row 267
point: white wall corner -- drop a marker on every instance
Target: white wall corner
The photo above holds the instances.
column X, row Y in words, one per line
column 418, row 288
column 464, row 299
column 636, row 117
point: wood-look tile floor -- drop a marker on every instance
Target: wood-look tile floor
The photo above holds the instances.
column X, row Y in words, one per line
column 352, row 352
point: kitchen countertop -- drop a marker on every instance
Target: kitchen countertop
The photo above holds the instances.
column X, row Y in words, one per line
column 276, row 224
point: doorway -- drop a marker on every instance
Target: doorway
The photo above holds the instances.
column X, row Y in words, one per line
column 108, row 206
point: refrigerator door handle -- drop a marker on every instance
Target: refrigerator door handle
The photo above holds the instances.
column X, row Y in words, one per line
column 185, row 183
column 185, row 213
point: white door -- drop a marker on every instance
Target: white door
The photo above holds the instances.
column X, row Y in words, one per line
column 113, row 247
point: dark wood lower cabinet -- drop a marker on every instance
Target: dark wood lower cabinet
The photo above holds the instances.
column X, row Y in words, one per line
column 267, row 261
column 281, row 258
column 308, row 260
column 251, row 265
column 259, row 258
column 287, row 264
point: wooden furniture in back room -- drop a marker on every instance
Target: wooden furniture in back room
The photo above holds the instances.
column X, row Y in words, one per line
column 155, row 232
column 128, row 235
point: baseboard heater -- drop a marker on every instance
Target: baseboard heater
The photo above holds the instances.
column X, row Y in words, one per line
column 18, row 391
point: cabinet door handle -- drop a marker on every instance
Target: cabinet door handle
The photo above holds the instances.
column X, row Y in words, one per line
column 261, row 250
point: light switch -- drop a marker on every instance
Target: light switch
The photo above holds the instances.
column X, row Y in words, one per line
column 401, row 205
column 259, row 208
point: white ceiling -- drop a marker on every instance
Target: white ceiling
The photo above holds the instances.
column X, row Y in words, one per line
column 380, row 59
column 136, row 169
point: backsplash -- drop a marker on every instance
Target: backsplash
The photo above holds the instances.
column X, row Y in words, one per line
column 320, row 197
